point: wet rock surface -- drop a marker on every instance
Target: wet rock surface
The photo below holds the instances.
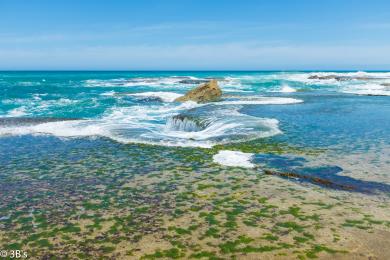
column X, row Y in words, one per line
column 343, row 78
column 207, row 92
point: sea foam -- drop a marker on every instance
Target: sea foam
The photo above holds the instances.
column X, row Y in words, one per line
column 372, row 89
column 234, row 158
column 151, row 125
column 164, row 96
column 261, row 101
column 287, row 89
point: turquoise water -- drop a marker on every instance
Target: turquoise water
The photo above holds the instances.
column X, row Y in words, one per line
column 138, row 107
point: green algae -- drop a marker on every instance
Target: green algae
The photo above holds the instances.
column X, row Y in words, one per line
column 173, row 253
column 270, row 237
column 316, row 249
column 200, row 209
column 291, row 226
column 205, row 254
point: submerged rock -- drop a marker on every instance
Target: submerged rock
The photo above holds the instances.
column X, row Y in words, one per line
column 335, row 77
column 207, row 92
column 193, row 81
column 313, row 179
column 342, row 78
column 322, row 77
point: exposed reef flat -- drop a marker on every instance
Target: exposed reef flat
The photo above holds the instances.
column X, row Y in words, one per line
column 150, row 202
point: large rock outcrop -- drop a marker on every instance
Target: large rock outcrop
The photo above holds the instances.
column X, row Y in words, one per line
column 207, row 92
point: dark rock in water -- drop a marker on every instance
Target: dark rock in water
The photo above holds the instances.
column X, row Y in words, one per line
column 321, row 77
column 328, row 77
column 293, row 168
column 386, row 84
column 313, row 179
column 207, row 92
column 342, row 78
column 329, row 177
column 149, row 99
column 193, row 81
column 20, row 121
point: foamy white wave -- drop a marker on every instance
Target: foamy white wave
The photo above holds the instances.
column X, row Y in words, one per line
column 228, row 84
column 60, row 129
column 64, row 101
column 287, row 89
column 151, row 124
column 232, row 84
column 305, row 77
column 367, row 89
column 234, row 158
column 15, row 101
column 105, row 83
column 16, row 112
column 261, row 101
column 133, row 82
column 28, row 83
column 109, row 93
column 284, row 89
column 164, row 96
column 220, row 126
column 36, row 105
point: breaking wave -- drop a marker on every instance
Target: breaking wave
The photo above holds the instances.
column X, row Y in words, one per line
column 368, row 89
column 157, row 125
column 129, row 117
column 259, row 100
column 287, row 89
column 164, row 96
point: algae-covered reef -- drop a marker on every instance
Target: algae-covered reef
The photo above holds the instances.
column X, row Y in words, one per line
column 87, row 199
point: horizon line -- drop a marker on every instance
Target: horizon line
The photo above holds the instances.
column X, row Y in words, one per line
column 191, row 70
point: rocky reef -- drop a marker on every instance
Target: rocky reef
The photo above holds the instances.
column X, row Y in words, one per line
column 342, row 78
column 207, row 92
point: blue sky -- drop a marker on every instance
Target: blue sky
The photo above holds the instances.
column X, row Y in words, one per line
column 194, row 35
